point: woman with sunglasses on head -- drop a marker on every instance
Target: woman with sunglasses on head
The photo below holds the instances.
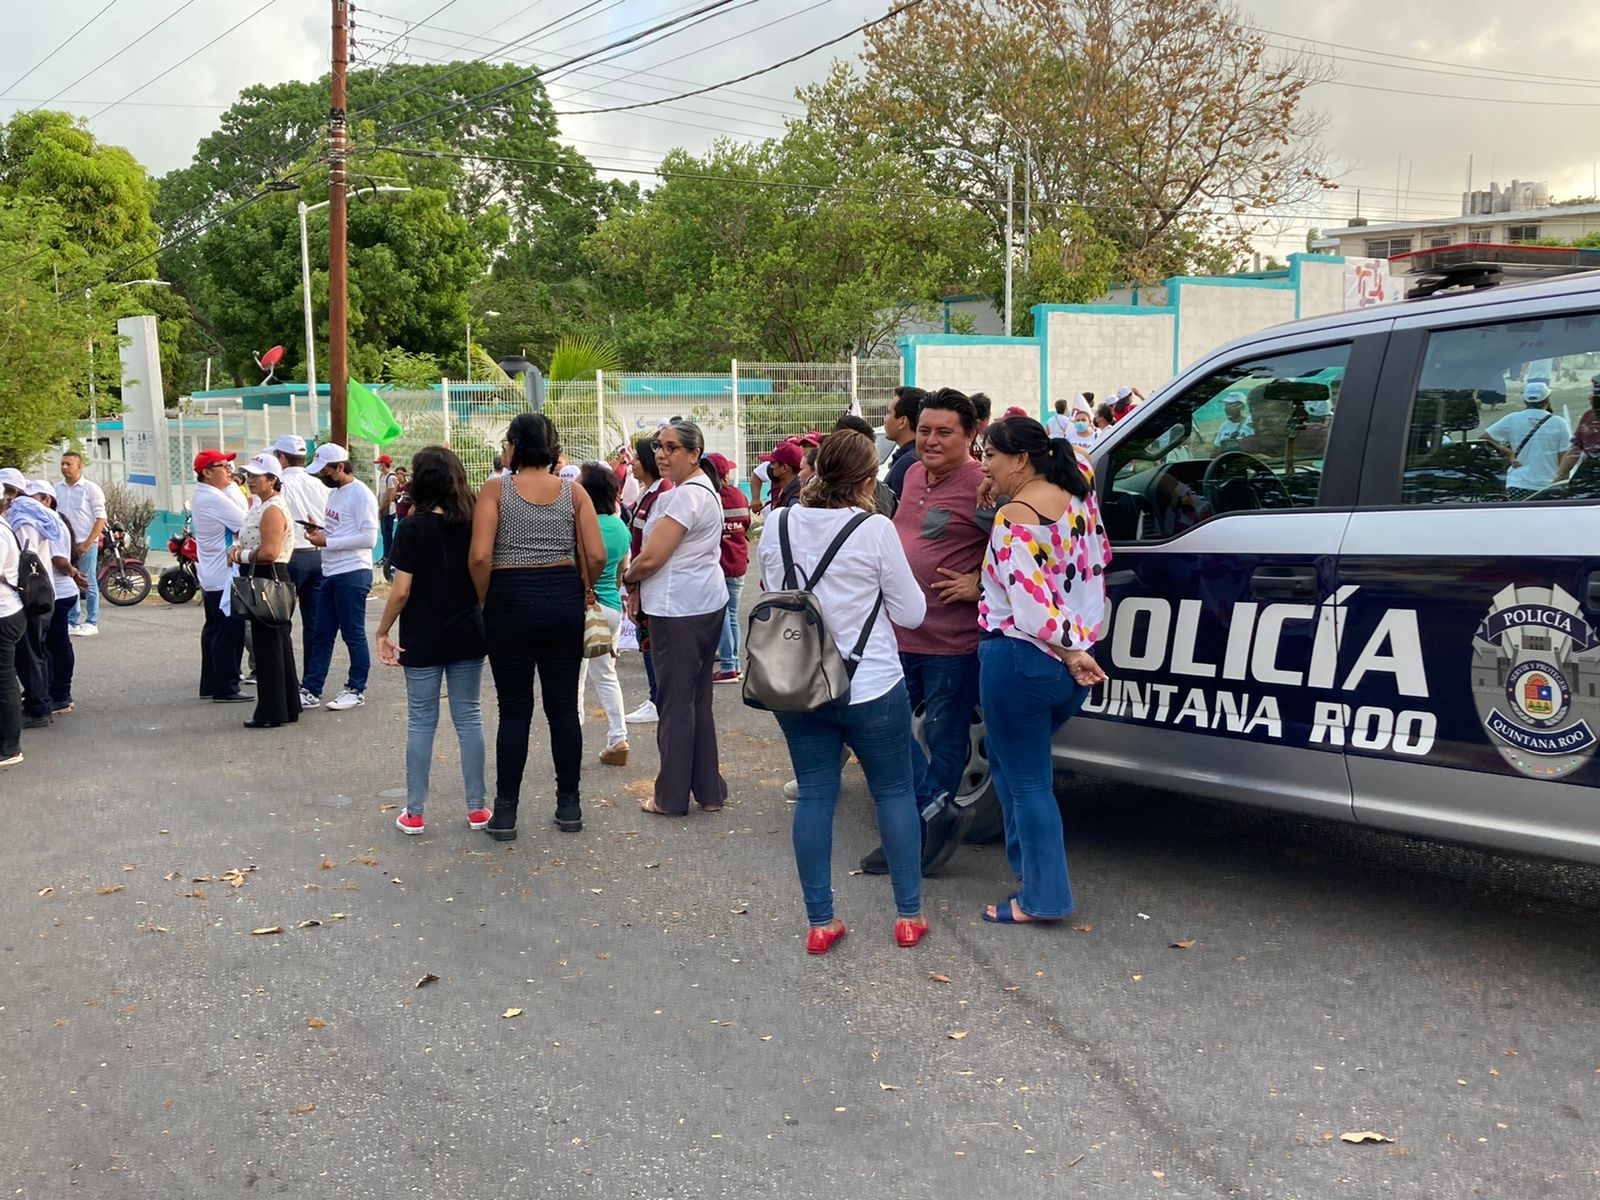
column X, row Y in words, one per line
column 676, row 581
column 535, row 541
column 1042, row 606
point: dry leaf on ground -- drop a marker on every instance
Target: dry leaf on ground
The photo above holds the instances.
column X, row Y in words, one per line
column 1082, row 928
column 888, row 1087
column 268, row 929
column 1186, row 944
column 956, row 1035
column 1366, row 1135
column 45, row 891
column 938, row 978
column 311, row 923
column 430, row 977
column 384, row 808
column 316, row 1023
column 108, row 891
column 509, row 1013
column 328, row 864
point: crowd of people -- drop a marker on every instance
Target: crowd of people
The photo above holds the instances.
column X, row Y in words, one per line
column 972, row 570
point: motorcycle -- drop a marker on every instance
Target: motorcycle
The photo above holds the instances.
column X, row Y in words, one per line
column 123, row 581
column 179, row 583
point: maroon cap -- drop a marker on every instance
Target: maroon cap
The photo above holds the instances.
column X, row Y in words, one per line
column 722, row 463
column 788, row 454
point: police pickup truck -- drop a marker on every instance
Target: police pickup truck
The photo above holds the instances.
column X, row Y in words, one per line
column 1326, row 598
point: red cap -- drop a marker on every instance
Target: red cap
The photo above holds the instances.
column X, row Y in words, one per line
column 722, row 463
column 384, row 460
column 788, row 454
column 210, row 458
column 1014, row 411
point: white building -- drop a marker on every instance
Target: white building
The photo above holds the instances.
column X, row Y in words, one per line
column 1360, row 239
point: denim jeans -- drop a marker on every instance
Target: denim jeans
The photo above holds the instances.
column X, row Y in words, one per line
column 947, row 686
column 728, row 648
column 341, row 611
column 880, row 733
column 89, row 564
column 1028, row 695
column 422, row 720
column 305, row 572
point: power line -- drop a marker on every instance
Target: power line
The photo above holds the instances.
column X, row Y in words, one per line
column 1477, row 70
column 621, row 43
column 70, row 38
column 1468, row 74
column 129, row 103
column 186, row 58
column 1372, row 87
column 113, row 57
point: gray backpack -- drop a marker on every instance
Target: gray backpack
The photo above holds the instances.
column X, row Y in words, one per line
column 792, row 663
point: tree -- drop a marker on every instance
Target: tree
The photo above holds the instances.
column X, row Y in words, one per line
column 1072, row 266
column 801, row 249
column 1167, row 121
column 43, row 339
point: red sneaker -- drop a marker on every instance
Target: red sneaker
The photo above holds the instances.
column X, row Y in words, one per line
column 477, row 818
column 409, row 823
column 726, row 676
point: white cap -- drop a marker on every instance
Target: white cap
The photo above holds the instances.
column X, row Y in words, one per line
column 41, row 487
column 1123, row 393
column 327, row 454
column 1535, row 391
column 570, row 472
column 289, row 443
column 12, row 478
column 264, row 464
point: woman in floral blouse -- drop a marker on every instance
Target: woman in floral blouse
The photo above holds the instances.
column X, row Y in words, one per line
column 1042, row 607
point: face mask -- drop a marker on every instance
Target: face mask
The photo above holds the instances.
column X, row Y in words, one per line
column 1081, row 426
column 328, row 481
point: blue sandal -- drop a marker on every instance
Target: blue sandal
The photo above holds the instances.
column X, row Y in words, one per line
column 1005, row 914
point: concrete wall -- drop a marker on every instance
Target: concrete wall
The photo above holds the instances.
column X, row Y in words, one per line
column 1101, row 347
column 1213, row 311
column 1007, row 369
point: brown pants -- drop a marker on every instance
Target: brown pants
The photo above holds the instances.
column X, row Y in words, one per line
column 685, row 652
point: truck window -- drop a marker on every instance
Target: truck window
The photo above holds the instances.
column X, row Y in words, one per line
column 1249, row 436
column 1505, row 413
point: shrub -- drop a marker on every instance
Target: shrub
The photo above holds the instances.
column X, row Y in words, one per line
column 132, row 508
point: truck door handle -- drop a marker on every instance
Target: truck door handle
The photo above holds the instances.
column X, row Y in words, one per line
column 1591, row 590
column 1119, row 579
column 1284, row 583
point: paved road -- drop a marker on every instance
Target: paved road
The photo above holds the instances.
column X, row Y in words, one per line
column 674, row 1040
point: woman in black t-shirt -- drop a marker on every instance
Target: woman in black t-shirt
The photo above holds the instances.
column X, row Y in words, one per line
column 441, row 637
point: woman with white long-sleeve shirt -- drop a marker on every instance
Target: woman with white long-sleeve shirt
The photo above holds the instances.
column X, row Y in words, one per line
column 867, row 585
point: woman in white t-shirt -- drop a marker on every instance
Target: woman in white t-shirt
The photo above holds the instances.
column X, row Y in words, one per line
column 868, row 580
column 680, row 589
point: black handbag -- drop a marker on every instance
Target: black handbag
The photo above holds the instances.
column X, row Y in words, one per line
column 264, row 598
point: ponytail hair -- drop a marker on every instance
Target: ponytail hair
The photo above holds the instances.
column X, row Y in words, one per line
column 1055, row 459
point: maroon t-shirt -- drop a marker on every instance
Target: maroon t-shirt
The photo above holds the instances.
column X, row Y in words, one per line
column 641, row 514
column 735, row 532
column 937, row 526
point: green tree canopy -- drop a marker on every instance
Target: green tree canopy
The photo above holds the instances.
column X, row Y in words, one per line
column 799, row 249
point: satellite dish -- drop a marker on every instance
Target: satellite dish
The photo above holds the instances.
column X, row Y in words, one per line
column 268, row 362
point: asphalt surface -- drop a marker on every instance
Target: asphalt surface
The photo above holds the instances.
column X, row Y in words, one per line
column 672, row 1038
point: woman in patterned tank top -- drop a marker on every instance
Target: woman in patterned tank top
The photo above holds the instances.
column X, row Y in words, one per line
column 535, row 543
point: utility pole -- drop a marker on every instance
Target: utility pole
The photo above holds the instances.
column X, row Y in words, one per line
column 338, row 262
column 1011, row 172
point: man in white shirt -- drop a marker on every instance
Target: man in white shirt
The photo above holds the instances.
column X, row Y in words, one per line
column 306, row 499
column 218, row 514
column 1531, row 441
column 1058, row 426
column 385, row 494
column 83, row 505
column 1236, row 423
column 347, row 535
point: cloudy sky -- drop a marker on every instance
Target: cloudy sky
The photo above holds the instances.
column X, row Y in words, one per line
column 1420, row 86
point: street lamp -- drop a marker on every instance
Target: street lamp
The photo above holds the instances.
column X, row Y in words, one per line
column 88, row 311
column 305, row 289
column 489, row 313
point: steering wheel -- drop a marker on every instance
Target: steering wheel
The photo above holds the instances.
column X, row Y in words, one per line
column 1237, row 479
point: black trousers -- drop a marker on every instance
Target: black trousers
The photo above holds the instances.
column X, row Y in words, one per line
column 277, row 682
column 533, row 620
column 33, row 666
column 685, row 651
column 221, row 647
column 305, row 572
column 13, row 629
column 61, row 658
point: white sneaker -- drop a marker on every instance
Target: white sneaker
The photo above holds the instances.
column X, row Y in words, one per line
column 74, row 630
column 12, row 761
column 86, row 630
column 309, row 701
column 645, row 714
column 791, row 790
column 347, row 699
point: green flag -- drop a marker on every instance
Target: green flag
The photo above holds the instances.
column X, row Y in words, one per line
column 369, row 417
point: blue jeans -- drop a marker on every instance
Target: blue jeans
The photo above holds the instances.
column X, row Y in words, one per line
column 728, row 648
column 341, row 611
column 89, row 564
column 947, row 686
column 880, row 733
column 422, row 719
column 1028, row 695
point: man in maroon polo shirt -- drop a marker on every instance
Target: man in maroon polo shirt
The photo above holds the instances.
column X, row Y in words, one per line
column 937, row 520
